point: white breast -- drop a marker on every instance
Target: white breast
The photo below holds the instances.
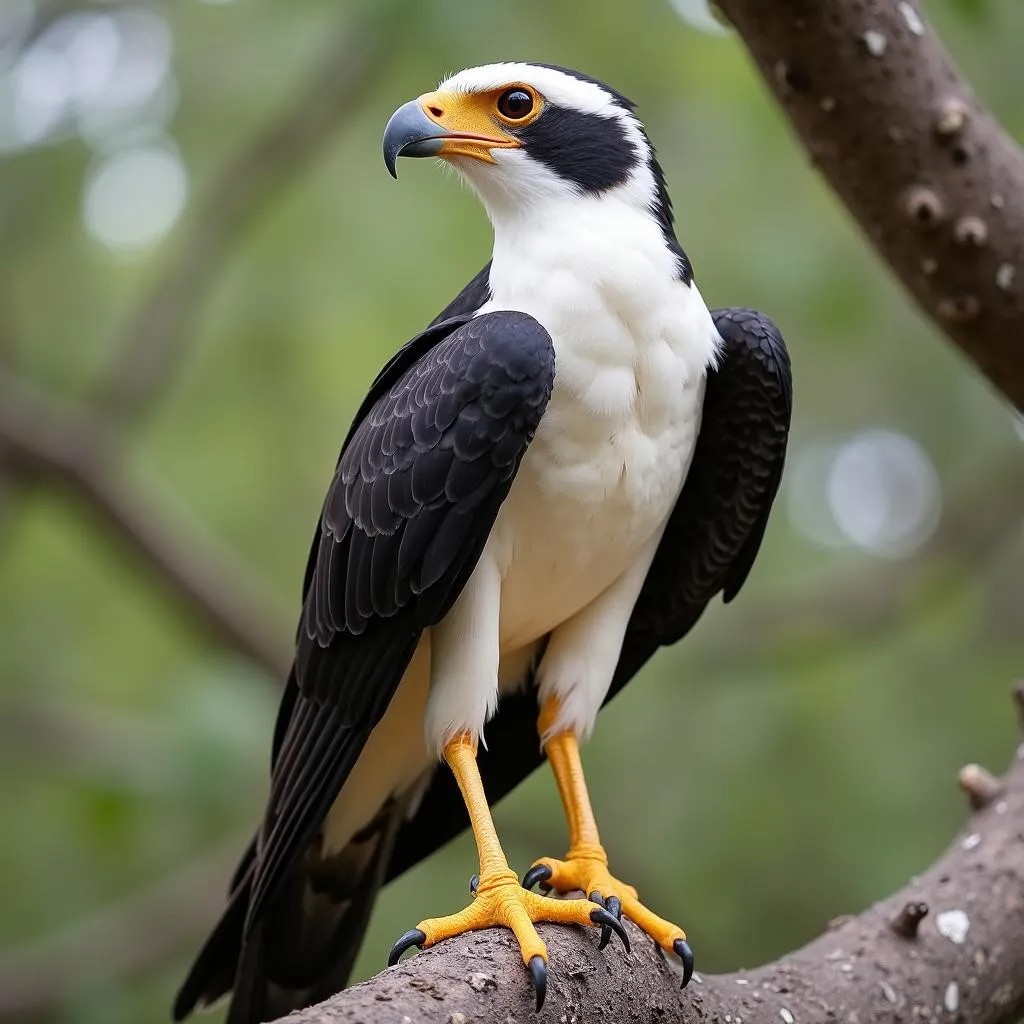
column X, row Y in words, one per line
column 632, row 344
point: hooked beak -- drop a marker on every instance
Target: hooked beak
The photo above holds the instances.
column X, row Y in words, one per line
column 445, row 125
column 411, row 133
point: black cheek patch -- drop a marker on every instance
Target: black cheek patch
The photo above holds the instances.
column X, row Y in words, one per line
column 591, row 151
column 595, row 154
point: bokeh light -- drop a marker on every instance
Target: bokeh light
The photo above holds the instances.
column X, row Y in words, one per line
column 877, row 491
column 105, row 76
column 884, row 493
column 134, row 197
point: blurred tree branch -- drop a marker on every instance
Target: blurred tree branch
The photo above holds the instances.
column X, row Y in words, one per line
column 155, row 338
column 79, row 449
column 43, row 439
column 923, row 167
column 951, row 944
column 127, row 938
column 982, row 514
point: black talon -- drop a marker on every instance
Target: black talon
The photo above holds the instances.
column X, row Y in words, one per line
column 614, row 907
column 683, row 951
column 413, row 937
column 606, row 932
column 601, row 916
column 474, row 884
column 539, row 976
column 538, row 873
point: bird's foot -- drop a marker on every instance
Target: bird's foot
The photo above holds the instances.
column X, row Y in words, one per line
column 499, row 899
column 587, row 871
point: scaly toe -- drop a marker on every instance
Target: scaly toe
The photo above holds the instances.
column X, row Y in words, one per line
column 588, row 871
column 498, row 900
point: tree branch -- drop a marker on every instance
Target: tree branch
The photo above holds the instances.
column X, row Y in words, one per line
column 964, row 960
column 43, row 438
column 925, row 169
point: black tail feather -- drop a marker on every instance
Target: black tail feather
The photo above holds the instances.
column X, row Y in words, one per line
column 303, row 948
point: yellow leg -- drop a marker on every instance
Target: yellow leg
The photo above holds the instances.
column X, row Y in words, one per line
column 585, row 866
column 499, row 899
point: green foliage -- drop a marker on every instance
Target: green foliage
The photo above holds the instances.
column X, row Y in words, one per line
column 753, row 804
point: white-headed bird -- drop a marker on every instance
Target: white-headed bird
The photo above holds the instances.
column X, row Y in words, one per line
column 540, row 490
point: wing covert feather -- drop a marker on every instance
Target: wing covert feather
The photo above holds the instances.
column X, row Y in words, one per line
column 414, row 496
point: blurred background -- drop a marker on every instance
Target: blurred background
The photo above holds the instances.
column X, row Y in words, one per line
column 202, row 265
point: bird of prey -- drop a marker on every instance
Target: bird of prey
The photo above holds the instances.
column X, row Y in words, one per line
column 540, row 490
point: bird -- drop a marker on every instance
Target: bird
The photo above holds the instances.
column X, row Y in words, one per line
column 541, row 489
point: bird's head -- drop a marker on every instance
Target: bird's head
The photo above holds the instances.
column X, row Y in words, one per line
column 525, row 136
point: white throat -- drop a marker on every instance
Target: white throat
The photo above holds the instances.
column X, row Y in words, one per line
column 632, row 346
column 598, row 273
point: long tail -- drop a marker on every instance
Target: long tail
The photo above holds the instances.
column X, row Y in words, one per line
column 304, row 947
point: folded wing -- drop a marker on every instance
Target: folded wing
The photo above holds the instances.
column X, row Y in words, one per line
column 427, row 463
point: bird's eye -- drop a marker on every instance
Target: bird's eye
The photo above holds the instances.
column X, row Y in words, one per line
column 515, row 104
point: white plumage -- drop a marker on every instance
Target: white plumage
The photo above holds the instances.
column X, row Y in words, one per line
column 575, row 537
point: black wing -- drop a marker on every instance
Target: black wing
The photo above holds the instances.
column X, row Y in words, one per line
column 428, row 461
column 709, row 546
column 413, row 500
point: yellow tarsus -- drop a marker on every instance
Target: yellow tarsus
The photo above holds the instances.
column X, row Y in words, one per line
column 500, row 899
column 460, row 754
column 585, row 866
column 563, row 752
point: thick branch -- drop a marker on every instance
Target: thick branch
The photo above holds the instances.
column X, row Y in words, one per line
column 39, row 437
column 965, row 962
column 925, row 169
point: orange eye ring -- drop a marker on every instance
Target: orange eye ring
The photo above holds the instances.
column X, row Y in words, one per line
column 516, row 104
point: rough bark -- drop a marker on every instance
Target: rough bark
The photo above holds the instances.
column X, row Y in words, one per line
column 948, row 947
column 924, row 168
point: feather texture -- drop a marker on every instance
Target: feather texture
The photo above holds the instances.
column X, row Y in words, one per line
column 425, row 467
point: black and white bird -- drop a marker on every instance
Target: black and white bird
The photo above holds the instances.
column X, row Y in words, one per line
column 540, row 490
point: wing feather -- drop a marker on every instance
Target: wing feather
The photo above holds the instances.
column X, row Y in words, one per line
column 410, row 508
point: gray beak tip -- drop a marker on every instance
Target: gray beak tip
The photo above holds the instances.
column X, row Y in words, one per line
column 410, row 133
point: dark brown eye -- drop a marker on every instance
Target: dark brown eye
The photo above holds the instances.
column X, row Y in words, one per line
column 515, row 104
